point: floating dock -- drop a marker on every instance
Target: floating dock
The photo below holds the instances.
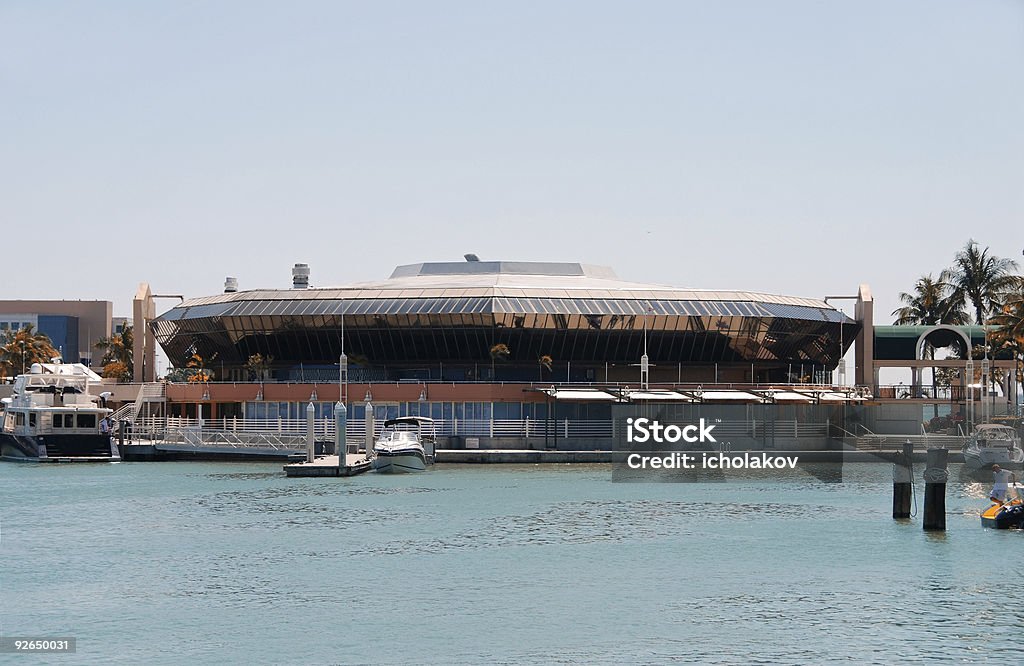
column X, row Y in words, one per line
column 328, row 466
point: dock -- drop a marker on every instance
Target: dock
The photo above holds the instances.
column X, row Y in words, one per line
column 355, row 463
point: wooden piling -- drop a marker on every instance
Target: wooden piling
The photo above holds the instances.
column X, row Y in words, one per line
column 935, row 477
column 902, row 482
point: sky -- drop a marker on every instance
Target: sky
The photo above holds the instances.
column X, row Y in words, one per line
column 788, row 146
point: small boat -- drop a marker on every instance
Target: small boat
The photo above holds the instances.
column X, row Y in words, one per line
column 993, row 444
column 52, row 417
column 400, row 447
column 1007, row 515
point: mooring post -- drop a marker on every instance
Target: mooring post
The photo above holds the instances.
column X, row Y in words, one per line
column 310, row 438
column 935, row 477
column 340, row 436
column 902, row 481
column 368, row 437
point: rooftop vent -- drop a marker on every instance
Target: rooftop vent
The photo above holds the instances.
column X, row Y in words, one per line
column 230, row 285
column 300, row 276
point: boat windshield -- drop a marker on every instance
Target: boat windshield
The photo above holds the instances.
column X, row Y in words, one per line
column 51, row 383
column 996, row 437
column 399, row 436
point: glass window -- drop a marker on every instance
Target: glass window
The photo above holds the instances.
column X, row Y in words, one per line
column 20, row 419
column 69, row 420
column 32, row 420
column 86, row 421
column 508, row 411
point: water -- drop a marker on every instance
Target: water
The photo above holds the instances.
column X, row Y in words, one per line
column 218, row 563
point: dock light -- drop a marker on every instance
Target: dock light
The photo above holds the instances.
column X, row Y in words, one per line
column 369, row 396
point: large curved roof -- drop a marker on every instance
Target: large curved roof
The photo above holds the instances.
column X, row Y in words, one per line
column 505, row 287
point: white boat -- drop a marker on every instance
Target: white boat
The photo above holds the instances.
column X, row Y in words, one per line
column 400, row 447
column 993, row 444
column 52, row 417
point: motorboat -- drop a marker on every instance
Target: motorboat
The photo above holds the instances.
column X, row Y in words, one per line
column 993, row 444
column 406, row 444
column 1006, row 515
column 52, row 417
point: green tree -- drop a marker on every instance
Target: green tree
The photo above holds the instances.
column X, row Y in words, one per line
column 983, row 279
column 118, row 354
column 1008, row 336
column 194, row 372
column 117, row 370
column 933, row 301
column 499, row 352
column 20, row 349
column 258, row 366
column 546, row 363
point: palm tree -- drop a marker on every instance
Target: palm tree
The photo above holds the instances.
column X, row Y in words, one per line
column 258, row 366
column 934, row 301
column 982, row 279
column 20, row 349
column 118, row 354
column 545, row 362
column 1009, row 333
column 499, row 352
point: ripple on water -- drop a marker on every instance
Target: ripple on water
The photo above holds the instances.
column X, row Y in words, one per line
column 593, row 521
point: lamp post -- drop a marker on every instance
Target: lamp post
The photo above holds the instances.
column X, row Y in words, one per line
column 203, row 399
column 969, row 386
column 645, row 362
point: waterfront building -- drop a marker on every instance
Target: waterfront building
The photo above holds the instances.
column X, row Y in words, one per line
column 476, row 340
column 74, row 327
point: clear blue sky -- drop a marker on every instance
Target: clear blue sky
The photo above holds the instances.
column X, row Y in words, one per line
column 784, row 146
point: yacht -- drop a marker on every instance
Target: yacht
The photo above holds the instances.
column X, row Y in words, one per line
column 52, row 417
column 993, row 444
column 400, row 447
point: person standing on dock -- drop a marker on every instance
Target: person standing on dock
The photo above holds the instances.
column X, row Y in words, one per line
column 1002, row 478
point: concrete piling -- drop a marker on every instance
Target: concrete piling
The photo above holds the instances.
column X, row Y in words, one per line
column 902, row 482
column 368, row 421
column 340, row 434
column 310, row 437
column 935, row 477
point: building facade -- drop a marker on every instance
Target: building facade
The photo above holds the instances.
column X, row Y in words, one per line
column 509, row 322
column 74, row 327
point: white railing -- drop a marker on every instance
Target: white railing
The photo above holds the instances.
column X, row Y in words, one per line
column 875, row 442
column 154, row 390
column 294, row 430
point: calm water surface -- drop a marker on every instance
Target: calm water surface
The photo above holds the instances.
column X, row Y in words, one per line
column 217, row 563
